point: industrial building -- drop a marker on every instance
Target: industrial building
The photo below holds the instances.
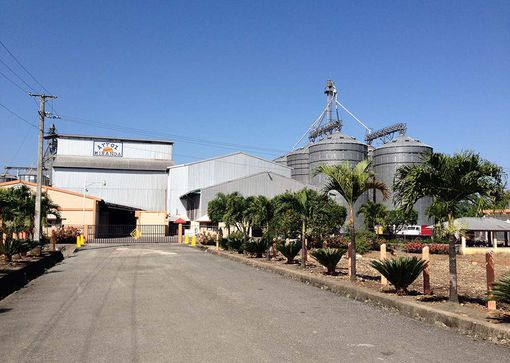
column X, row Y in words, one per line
column 191, row 186
column 122, row 171
column 328, row 145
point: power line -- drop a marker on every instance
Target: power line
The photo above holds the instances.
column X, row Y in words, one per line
column 17, row 76
column 22, row 66
column 13, row 83
column 181, row 138
column 18, row 116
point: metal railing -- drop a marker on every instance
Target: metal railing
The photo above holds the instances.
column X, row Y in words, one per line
column 119, row 233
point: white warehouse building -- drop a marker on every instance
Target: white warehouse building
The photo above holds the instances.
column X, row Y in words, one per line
column 191, row 186
column 123, row 171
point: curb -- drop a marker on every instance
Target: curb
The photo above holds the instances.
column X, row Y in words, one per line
column 469, row 326
column 16, row 279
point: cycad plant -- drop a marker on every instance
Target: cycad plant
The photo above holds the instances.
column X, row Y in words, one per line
column 328, row 257
column 235, row 242
column 10, row 247
column 400, row 272
column 256, row 246
column 289, row 250
column 501, row 289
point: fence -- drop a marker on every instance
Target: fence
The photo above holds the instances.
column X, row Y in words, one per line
column 129, row 234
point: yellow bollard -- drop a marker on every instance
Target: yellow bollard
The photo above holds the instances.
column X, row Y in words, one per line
column 78, row 242
column 186, row 239
column 193, row 240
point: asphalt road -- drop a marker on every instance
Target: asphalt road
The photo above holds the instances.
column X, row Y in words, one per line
column 166, row 303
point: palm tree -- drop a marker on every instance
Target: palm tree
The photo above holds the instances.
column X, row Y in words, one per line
column 303, row 203
column 450, row 181
column 216, row 210
column 351, row 182
column 373, row 214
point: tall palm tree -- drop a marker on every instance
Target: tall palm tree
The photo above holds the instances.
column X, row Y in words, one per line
column 373, row 214
column 303, row 203
column 450, row 181
column 351, row 182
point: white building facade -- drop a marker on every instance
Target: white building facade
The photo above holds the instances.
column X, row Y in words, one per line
column 188, row 182
column 127, row 172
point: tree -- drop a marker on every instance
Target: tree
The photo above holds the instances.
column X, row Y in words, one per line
column 216, row 210
column 17, row 209
column 373, row 214
column 351, row 182
column 450, row 181
column 302, row 203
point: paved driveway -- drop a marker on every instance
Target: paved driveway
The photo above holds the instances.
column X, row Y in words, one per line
column 166, row 303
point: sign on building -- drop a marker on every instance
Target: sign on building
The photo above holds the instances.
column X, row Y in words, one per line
column 106, row 148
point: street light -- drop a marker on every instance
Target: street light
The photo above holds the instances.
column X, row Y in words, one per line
column 85, row 186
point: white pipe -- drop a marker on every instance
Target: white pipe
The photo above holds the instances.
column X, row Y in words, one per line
column 354, row 117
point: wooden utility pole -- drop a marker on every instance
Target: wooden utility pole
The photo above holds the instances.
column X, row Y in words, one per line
column 38, row 192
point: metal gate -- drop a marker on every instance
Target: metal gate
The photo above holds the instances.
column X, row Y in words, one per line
column 110, row 234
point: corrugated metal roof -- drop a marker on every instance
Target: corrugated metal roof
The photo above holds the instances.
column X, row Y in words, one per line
column 482, row 224
column 226, row 156
column 403, row 140
column 338, row 137
column 104, row 138
column 98, row 162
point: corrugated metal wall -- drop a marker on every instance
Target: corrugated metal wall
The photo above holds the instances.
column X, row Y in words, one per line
column 267, row 184
column 199, row 175
column 138, row 189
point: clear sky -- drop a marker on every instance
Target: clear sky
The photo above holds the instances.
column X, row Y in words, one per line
column 251, row 73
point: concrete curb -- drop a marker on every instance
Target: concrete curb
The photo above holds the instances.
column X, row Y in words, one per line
column 16, row 279
column 475, row 328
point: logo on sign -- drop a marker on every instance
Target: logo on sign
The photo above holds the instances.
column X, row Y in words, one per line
column 105, row 148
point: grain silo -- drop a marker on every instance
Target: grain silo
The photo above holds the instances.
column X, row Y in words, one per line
column 298, row 160
column 403, row 150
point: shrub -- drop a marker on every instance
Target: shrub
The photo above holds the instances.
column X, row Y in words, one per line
column 10, row 247
column 289, row 250
column 501, row 289
column 224, row 243
column 400, row 272
column 328, row 257
column 235, row 242
column 67, row 234
column 256, row 246
column 413, row 247
column 207, row 238
column 434, row 248
column 365, row 241
column 438, row 249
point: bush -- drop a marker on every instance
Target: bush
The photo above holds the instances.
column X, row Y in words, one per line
column 224, row 243
column 501, row 289
column 10, row 247
column 434, row 248
column 400, row 272
column 328, row 257
column 365, row 241
column 207, row 238
column 67, row 234
column 256, row 246
column 235, row 242
column 289, row 250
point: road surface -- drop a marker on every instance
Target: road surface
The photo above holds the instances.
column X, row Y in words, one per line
column 167, row 303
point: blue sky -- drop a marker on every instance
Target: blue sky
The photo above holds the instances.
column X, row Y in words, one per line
column 252, row 73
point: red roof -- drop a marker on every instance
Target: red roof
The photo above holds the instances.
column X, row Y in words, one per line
column 180, row 221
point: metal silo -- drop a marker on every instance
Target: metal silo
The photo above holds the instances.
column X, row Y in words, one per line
column 298, row 160
column 388, row 157
column 335, row 149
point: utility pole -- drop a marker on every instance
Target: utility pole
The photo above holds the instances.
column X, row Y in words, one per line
column 38, row 193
